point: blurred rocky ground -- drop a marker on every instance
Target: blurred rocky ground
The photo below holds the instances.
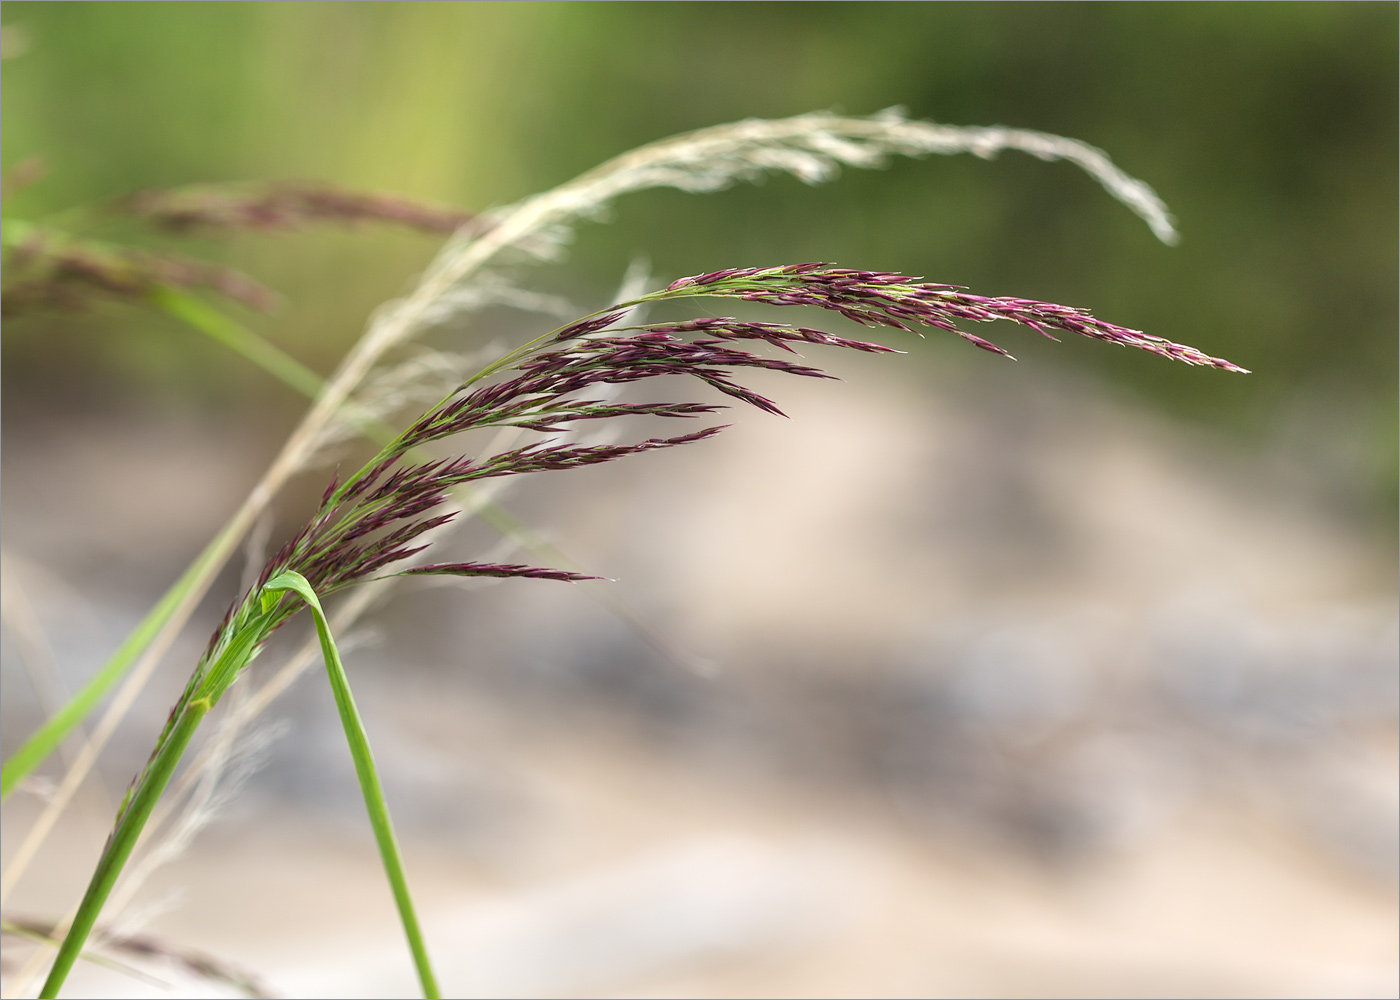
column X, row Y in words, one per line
column 979, row 685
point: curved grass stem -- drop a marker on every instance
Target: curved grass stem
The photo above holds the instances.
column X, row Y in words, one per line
column 206, row 687
column 366, row 773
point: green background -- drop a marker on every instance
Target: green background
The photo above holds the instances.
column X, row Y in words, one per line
column 1269, row 129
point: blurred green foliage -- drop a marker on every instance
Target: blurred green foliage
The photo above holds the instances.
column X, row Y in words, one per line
column 1270, row 129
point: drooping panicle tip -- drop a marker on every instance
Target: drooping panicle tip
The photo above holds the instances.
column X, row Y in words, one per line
column 878, row 298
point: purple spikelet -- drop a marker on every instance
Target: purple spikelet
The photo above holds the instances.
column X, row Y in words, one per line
column 877, row 298
column 331, row 487
column 499, row 570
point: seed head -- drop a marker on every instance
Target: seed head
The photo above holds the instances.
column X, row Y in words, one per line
column 877, row 298
column 378, row 517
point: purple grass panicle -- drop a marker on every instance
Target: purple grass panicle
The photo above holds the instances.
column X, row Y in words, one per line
column 380, row 518
column 877, row 298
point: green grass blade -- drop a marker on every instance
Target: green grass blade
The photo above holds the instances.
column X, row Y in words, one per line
column 206, row 319
column 206, row 686
column 196, row 313
column 53, row 732
column 130, row 822
column 369, row 778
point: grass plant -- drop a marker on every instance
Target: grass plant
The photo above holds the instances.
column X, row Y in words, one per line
column 380, row 522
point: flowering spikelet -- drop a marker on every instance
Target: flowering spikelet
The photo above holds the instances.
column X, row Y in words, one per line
column 876, row 298
column 491, row 569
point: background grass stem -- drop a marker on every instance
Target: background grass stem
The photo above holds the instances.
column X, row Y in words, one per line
column 149, row 642
column 37, row 748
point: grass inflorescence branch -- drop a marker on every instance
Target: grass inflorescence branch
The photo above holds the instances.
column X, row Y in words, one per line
column 875, row 298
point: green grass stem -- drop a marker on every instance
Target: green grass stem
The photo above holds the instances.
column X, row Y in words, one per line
column 365, row 770
column 28, row 933
column 131, row 821
column 205, row 689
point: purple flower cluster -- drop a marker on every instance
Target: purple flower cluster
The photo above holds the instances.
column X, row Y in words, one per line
column 377, row 517
column 876, row 298
column 497, row 569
